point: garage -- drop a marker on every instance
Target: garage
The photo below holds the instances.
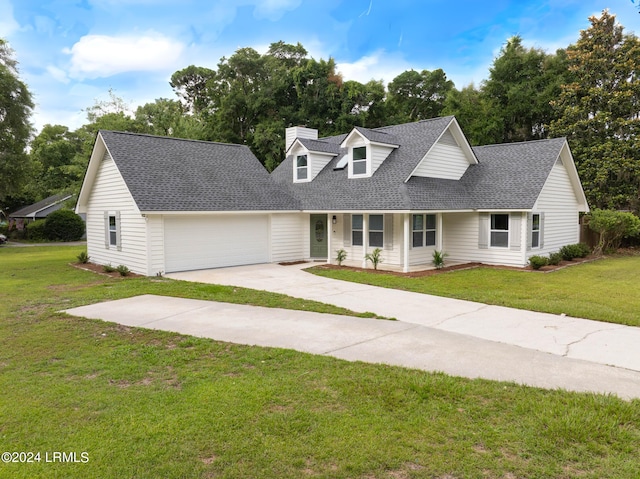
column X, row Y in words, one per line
column 201, row 242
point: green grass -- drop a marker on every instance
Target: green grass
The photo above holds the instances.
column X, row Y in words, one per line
column 604, row 290
column 145, row 403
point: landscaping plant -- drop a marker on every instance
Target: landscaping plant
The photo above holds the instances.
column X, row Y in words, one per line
column 613, row 227
column 341, row 255
column 375, row 257
column 438, row 259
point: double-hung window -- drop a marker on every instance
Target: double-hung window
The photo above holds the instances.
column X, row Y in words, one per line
column 359, row 162
column 356, row 230
column 499, row 235
column 535, row 231
column 302, row 167
column 113, row 231
column 424, row 230
column 376, row 231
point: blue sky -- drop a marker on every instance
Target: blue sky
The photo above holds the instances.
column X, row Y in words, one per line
column 71, row 52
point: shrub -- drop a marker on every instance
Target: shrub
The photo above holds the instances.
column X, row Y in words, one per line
column 555, row 258
column 583, row 249
column 36, row 230
column 83, row 257
column 569, row 252
column 374, row 257
column 107, row 268
column 613, row 227
column 538, row 262
column 438, row 259
column 341, row 255
column 64, row 225
column 123, row 270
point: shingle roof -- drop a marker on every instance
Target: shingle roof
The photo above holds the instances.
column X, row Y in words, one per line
column 172, row 174
column 320, row 146
column 31, row 210
column 507, row 176
column 378, row 136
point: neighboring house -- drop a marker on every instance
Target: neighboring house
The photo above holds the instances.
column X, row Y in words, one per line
column 40, row 210
column 158, row 204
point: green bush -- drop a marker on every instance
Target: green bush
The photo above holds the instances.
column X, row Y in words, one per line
column 108, row 268
column 64, row 225
column 538, row 262
column 123, row 270
column 36, row 230
column 569, row 252
column 555, row 258
column 438, row 259
column 341, row 255
column 583, row 249
column 613, row 227
column 83, row 257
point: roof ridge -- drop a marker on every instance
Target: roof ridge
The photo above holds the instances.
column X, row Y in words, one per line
column 162, row 137
column 520, row 142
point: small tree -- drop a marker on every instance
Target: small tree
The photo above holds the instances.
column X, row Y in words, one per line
column 64, row 225
column 341, row 255
column 613, row 227
column 375, row 257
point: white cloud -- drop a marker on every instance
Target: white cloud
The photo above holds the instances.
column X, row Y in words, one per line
column 95, row 56
column 8, row 24
column 378, row 66
column 58, row 74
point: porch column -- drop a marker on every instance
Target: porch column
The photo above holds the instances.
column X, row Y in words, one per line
column 330, row 226
column 439, row 232
column 365, row 238
column 406, row 238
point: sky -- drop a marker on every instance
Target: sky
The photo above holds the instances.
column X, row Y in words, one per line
column 72, row 52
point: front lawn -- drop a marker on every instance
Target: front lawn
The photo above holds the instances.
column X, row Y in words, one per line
column 141, row 403
column 604, row 290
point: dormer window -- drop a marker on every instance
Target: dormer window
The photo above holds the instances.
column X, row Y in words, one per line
column 360, row 160
column 302, row 168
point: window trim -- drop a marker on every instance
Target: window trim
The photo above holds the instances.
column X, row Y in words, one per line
column 501, row 231
column 535, row 230
column 424, row 230
column 366, row 161
column 304, row 168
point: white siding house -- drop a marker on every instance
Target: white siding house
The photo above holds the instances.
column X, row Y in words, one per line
column 158, row 204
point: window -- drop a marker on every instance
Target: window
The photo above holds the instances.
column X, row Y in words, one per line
column 302, row 170
column 499, row 235
column 356, row 230
column 376, row 231
column 535, row 231
column 113, row 231
column 424, row 230
column 360, row 160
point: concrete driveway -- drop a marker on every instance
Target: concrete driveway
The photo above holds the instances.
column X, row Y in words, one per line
column 432, row 333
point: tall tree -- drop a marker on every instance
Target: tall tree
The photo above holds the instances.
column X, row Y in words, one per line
column 53, row 152
column 478, row 117
column 16, row 107
column 417, row 95
column 522, row 82
column 166, row 117
column 599, row 112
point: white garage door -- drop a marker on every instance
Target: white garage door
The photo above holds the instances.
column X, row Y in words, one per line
column 200, row 242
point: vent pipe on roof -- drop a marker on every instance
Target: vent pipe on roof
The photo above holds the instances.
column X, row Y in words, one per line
column 299, row 132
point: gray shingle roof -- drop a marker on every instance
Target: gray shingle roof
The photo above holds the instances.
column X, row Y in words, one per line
column 378, row 136
column 41, row 208
column 172, row 174
column 507, row 176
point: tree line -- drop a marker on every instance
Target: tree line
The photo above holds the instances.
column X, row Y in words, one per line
column 588, row 92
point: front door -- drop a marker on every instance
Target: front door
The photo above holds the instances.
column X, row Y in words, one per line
column 318, row 236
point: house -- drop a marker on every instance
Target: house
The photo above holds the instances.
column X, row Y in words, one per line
column 158, row 204
column 40, row 210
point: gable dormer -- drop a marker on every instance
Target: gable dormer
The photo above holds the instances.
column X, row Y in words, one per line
column 310, row 157
column 366, row 150
column 449, row 157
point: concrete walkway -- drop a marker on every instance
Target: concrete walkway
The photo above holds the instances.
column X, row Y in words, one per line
column 432, row 333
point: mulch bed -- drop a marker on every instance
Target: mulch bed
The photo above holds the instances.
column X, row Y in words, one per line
column 99, row 269
column 457, row 267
